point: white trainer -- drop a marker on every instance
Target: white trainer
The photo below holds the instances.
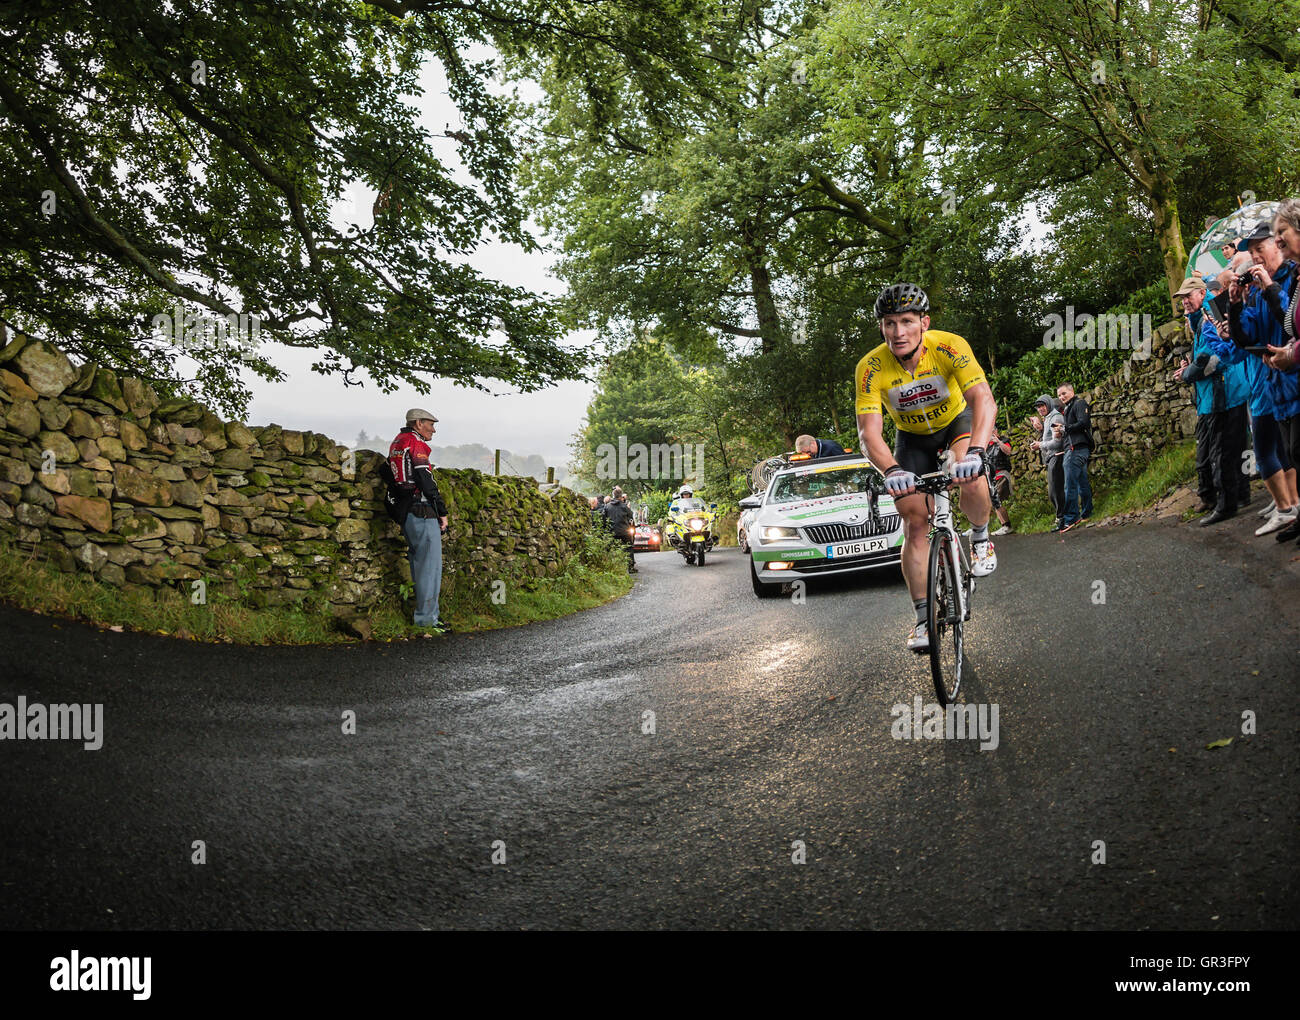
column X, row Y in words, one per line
column 919, row 639
column 1269, row 510
column 1277, row 522
column 983, row 560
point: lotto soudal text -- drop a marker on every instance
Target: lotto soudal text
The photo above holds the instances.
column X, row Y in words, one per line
column 75, row 973
column 34, row 721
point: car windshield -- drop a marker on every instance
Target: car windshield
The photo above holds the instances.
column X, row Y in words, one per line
column 815, row 483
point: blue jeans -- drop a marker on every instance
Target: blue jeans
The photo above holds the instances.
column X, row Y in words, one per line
column 424, row 551
column 1078, row 493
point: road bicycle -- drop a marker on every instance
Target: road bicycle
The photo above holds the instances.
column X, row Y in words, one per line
column 949, row 581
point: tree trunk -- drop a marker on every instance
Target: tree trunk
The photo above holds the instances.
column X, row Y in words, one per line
column 1169, row 233
column 769, row 321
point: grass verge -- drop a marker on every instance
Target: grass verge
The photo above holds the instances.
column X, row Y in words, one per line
column 1031, row 510
column 596, row 576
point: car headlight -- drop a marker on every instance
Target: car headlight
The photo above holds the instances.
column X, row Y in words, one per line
column 772, row 534
column 697, row 523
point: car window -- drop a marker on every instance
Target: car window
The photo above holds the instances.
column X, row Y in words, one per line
column 817, row 483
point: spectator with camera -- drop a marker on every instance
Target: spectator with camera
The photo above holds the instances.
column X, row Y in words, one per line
column 1281, row 300
column 1221, row 393
column 1253, row 329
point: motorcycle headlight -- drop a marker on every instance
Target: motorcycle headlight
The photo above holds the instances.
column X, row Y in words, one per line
column 697, row 523
column 771, row 534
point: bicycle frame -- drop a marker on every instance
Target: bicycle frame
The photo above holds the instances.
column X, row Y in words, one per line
column 941, row 520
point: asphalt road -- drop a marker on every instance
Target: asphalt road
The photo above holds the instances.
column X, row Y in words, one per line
column 772, row 725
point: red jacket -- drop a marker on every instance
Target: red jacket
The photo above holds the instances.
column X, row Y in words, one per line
column 409, row 457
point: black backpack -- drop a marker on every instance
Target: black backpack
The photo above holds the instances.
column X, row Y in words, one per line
column 397, row 498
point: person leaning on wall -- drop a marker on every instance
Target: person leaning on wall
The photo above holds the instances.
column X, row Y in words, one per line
column 426, row 520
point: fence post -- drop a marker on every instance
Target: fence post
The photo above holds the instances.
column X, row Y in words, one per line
column 497, row 469
column 550, row 475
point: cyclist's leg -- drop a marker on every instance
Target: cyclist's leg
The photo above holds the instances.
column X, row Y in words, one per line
column 920, row 455
column 916, row 526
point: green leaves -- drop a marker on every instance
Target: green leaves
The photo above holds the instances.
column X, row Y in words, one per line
column 223, row 187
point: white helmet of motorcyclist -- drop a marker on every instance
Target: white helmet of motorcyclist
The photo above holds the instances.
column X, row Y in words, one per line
column 684, row 492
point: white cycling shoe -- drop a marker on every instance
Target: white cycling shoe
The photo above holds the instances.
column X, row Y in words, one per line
column 983, row 560
column 919, row 639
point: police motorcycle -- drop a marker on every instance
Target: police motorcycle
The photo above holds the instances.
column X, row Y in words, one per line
column 690, row 528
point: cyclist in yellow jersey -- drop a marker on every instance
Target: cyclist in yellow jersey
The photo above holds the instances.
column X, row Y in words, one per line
column 936, row 393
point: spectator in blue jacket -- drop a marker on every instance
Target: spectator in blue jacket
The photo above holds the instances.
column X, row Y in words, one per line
column 1221, row 393
column 1271, row 458
column 1283, row 303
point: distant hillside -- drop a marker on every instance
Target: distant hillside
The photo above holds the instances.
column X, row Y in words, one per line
column 473, row 455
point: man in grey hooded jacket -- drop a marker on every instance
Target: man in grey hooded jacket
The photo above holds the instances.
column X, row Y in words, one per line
column 1050, row 449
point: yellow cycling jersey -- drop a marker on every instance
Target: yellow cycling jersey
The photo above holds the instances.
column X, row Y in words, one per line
column 928, row 399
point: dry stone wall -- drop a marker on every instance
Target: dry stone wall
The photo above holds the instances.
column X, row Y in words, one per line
column 100, row 474
column 1136, row 412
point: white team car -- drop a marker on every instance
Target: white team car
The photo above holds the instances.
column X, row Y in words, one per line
column 814, row 519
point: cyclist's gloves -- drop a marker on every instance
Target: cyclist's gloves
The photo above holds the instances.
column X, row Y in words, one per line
column 970, row 466
column 898, row 480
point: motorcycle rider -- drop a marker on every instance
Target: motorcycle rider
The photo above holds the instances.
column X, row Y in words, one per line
column 683, row 504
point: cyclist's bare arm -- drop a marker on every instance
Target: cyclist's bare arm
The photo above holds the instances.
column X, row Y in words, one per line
column 984, row 413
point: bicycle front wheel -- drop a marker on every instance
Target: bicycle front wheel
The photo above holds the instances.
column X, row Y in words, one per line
column 944, row 617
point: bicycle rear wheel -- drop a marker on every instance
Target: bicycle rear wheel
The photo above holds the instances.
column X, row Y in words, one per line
column 944, row 618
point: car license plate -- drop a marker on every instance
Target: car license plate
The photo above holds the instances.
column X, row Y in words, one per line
column 868, row 545
column 697, row 538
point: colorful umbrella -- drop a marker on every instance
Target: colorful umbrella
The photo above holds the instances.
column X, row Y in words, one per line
column 1205, row 254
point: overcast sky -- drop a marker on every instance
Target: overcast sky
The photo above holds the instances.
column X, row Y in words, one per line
column 538, row 423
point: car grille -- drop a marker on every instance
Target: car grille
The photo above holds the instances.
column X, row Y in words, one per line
column 826, row 534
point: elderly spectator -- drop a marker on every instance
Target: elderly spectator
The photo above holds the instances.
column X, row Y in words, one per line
column 1052, row 451
column 1221, row 392
column 1285, row 308
column 1255, row 324
column 426, row 522
column 1271, row 457
column 1075, row 432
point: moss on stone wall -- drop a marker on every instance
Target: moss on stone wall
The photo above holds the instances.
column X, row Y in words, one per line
column 98, row 474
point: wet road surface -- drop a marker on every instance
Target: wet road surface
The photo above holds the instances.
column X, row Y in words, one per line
column 773, row 727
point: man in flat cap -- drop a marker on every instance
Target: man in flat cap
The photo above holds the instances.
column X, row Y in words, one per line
column 426, row 522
